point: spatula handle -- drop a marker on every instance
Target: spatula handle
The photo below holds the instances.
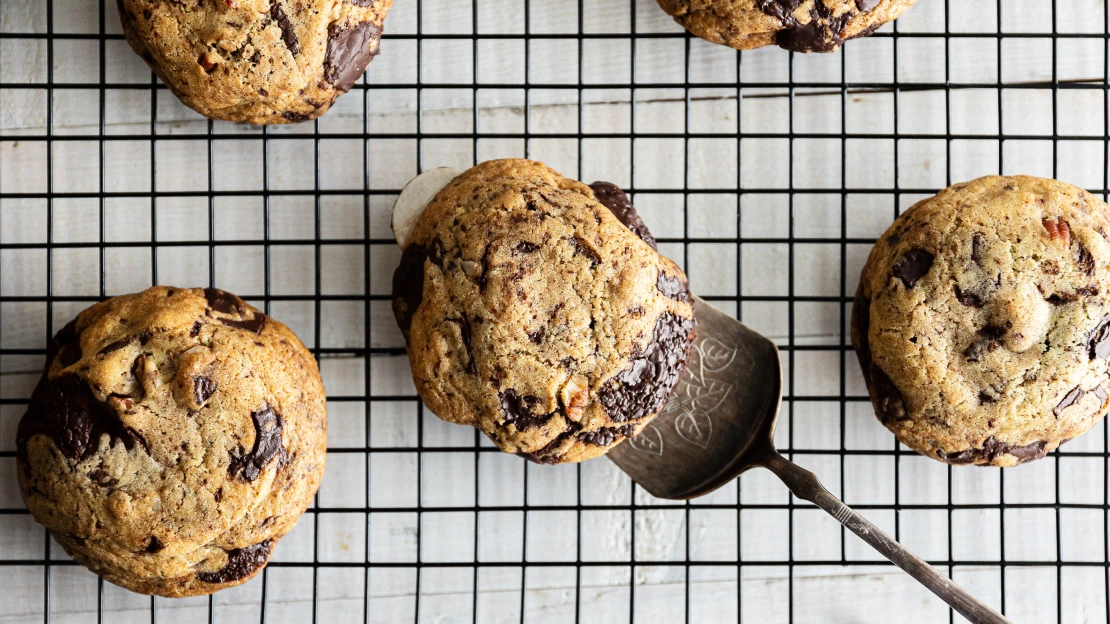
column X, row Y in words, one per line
column 805, row 485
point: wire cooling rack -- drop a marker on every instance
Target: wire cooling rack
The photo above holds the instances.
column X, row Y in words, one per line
column 766, row 174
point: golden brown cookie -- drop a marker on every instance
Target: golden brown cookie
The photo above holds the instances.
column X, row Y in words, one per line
column 256, row 61
column 535, row 314
column 175, row 436
column 982, row 320
column 798, row 25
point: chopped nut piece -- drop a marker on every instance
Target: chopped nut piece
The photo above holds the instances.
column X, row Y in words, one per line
column 1058, row 229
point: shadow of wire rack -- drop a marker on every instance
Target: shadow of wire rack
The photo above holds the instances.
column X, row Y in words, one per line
column 766, row 174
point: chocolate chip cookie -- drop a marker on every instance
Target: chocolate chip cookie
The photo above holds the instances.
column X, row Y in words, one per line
column 256, row 61
column 982, row 320
column 797, row 25
column 175, row 436
column 537, row 309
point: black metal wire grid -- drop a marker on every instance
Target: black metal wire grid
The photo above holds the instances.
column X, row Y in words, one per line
column 842, row 405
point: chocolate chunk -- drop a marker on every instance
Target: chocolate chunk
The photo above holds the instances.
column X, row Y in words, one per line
column 968, row 299
column 195, row 329
column 288, row 37
column 1084, row 260
column 861, row 320
column 115, row 346
column 614, row 198
column 65, row 409
column 267, row 444
column 350, row 49
column 241, row 563
column 223, row 301
column 824, row 32
column 912, row 266
column 641, row 389
column 203, row 387
column 295, row 117
column 606, row 435
column 252, row 324
column 1098, row 341
column 866, row 6
column 584, row 248
column 464, row 332
column 977, row 244
column 1061, row 298
column 537, row 336
column 888, row 398
column 408, row 286
column 1071, row 398
column 1086, row 291
column 985, row 397
column 676, row 288
column 991, row 450
column 154, row 546
column 520, row 410
column 547, row 454
column 66, row 345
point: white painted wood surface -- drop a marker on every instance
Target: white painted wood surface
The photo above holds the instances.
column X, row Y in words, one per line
column 711, row 530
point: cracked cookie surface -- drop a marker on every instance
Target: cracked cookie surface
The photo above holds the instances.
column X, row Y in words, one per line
column 982, row 321
column 256, row 61
column 175, row 436
column 797, row 25
column 537, row 309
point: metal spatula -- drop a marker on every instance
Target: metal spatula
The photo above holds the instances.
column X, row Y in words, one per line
column 720, row 422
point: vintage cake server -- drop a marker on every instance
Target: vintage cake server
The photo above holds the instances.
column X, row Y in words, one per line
column 720, row 422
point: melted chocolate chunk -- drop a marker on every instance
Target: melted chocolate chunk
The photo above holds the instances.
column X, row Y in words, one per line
column 288, row 37
column 993, row 449
column 888, row 398
column 223, row 301
column 115, row 346
column 65, row 409
column 350, row 49
column 66, row 345
column 520, row 410
column 203, row 387
column 526, row 247
column 612, row 197
column 195, row 329
column 1071, row 398
column 977, row 244
column 866, row 6
column 824, row 32
column 154, row 546
column 606, row 435
column 584, row 248
column 267, row 444
column 537, row 336
column 968, row 299
column 642, row 388
column 1098, row 341
column 408, row 286
column 546, row 455
column 241, row 563
column 861, row 320
column 1061, row 298
column 1084, row 260
column 912, row 266
column 464, row 331
column 673, row 287
column 252, row 324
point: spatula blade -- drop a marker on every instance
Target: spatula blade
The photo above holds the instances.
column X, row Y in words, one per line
column 719, row 419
